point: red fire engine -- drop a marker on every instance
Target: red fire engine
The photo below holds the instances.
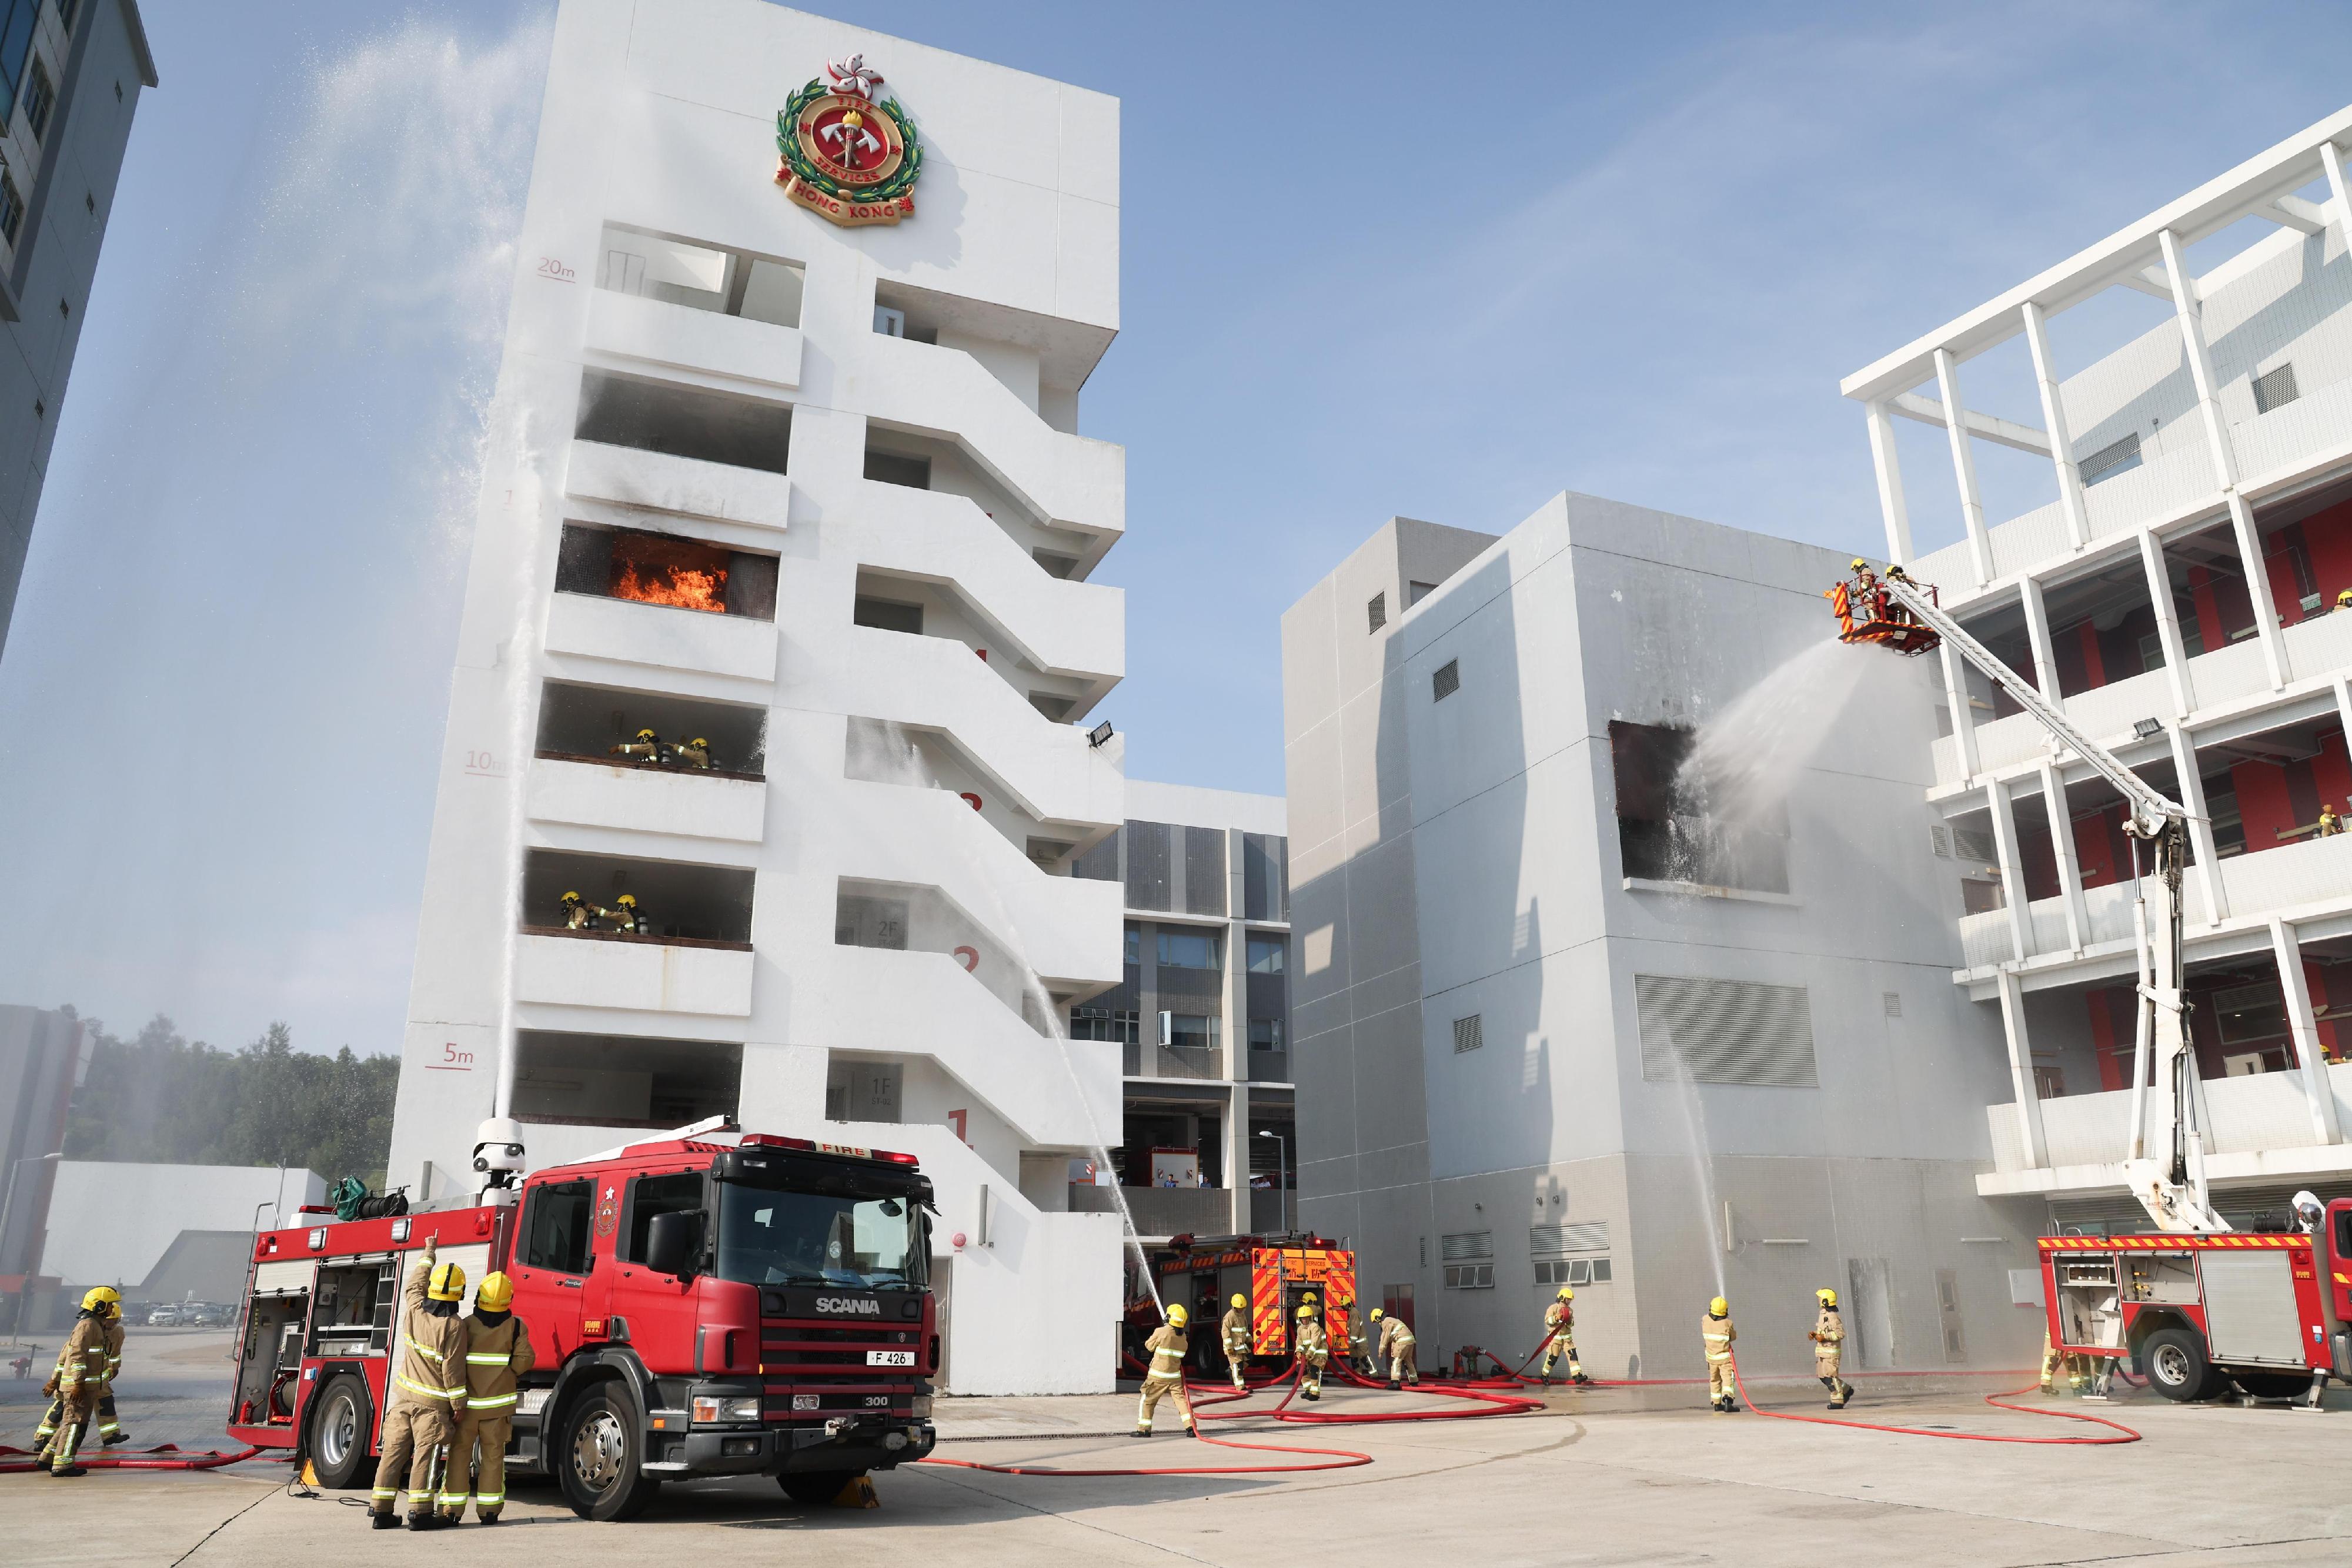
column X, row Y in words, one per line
column 699, row 1306
column 1276, row 1273
column 2271, row 1313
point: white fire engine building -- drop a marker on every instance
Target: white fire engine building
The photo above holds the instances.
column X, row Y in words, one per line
column 2174, row 584
column 785, row 468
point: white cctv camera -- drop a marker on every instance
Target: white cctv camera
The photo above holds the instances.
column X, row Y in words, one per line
column 498, row 1151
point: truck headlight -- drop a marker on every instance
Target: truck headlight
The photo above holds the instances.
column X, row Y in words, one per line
column 922, row 1406
column 708, row 1409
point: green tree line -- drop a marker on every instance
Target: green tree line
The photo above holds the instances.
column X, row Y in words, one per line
column 161, row 1098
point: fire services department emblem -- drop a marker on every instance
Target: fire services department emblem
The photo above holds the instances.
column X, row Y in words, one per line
column 608, row 1210
column 846, row 155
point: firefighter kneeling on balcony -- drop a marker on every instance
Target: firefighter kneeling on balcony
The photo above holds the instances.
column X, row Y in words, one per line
column 428, row 1392
column 1236, row 1330
column 1398, row 1348
column 624, row 917
column 695, row 753
column 1560, row 1331
column 577, row 915
column 1165, row 1379
column 497, row 1353
column 1314, row 1350
column 646, row 747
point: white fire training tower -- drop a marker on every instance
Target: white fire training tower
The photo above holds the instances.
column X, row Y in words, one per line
column 784, row 468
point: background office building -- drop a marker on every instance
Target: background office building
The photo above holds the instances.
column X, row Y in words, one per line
column 70, row 74
column 814, row 495
column 1207, row 1139
column 2170, row 586
column 1559, row 1021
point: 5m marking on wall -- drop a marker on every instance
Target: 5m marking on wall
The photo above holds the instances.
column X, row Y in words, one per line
column 452, row 1060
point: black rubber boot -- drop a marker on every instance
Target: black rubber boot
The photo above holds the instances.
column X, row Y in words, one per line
column 1394, row 1386
column 118, row 1437
column 68, row 1472
column 1581, row 1380
column 382, row 1522
column 424, row 1522
column 1140, row 1432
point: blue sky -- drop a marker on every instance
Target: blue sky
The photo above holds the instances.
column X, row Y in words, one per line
column 1502, row 251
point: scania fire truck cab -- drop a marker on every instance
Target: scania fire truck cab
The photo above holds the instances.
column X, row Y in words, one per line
column 698, row 1307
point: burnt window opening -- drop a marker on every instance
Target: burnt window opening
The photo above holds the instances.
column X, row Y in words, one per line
column 585, row 723
column 680, row 421
column 663, row 569
column 674, row 901
column 1673, row 825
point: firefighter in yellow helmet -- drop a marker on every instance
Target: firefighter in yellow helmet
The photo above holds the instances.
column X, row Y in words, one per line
column 80, row 1378
column 1716, row 1334
column 1234, row 1330
column 429, row 1392
column 1829, row 1348
column 625, row 917
column 577, row 915
column 1560, row 1338
column 695, row 753
column 1398, row 1348
column 497, row 1353
column 645, row 748
column 1167, row 1347
column 1313, row 1349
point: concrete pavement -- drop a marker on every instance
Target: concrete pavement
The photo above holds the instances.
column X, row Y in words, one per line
column 1600, row 1477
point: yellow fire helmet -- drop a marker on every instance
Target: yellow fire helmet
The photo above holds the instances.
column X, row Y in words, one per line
column 698, row 744
column 1828, row 1298
column 1377, row 1314
column 1566, row 1294
column 1240, row 1301
column 101, row 1298
column 1859, row 565
column 2345, row 598
column 648, row 735
column 1718, row 1308
column 494, row 1293
column 447, row 1282
column 627, row 900
column 1176, row 1316
column 569, row 898
column 1305, row 1313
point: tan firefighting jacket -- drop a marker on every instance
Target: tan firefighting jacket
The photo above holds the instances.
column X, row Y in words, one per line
column 1169, row 1348
column 1394, row 1336
column 1312, row 1345
column 1717, row 1333
column 81, row 1365
column 433, row 1359
column 113, row 1350
column 1560, row 1322
column 1829, row 1337
column 1236, row 1326
column 496, row 1355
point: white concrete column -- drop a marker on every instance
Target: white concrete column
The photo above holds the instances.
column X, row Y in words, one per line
column 2331, row 163
column 2258, row 589
column 2207, row 870
column 2344, row 718
column 1236, row 1029
column 1964, row 718
column 1237, row 1175
column 1964, row 465
column 2037, row 633
column 2013, row 873
column 2168, row 624
column 1892, row 509
column 2070, row 872
column 2020, row 1072
column 2053, row 420
column 2317, row 1087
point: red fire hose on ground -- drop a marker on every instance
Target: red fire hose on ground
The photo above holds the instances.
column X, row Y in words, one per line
column 19, row 1462
column 2127, row 1435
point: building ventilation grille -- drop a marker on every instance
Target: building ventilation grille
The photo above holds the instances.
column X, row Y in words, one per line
column 2275, row 389
column 1205, row 871
column 2111, row 459
column 1469, row 1033
column 1724, row 1031
column 1149, row 885
column 1377, row 611
column 1447, row 680
column 1466, row 1247
column 1581, row 1236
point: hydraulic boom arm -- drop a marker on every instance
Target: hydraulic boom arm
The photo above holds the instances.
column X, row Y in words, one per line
column 2172, row 1190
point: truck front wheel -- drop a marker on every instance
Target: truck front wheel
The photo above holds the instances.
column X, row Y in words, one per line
column 339, row 1434
column 2177, row 1367
column 599, row 1459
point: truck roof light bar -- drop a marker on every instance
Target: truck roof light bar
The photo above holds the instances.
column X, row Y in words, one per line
column 807, row 1145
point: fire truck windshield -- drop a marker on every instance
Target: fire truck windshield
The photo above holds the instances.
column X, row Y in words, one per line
column 770, row 1238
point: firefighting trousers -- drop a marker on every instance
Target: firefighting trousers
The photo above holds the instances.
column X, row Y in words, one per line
column 413, row 1435
column 482, row 1447
column 1825, row 1367
column 1155, row 1389
column 1404, row 1359
column 1720, row 1385
column 69, row 1422
column 1311, row 1374
column 1562, row 1344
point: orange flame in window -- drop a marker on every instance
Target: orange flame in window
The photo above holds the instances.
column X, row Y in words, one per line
column 680, row 586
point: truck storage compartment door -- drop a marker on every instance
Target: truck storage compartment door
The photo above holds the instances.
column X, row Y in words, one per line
column 2250, row 1312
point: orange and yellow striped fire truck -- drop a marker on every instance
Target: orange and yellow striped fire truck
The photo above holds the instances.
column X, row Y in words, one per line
column 1275, row 1273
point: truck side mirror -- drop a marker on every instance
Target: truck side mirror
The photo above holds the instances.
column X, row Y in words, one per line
column 670, row 1242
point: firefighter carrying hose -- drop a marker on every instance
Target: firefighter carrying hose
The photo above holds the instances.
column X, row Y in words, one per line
column 1560, row 1338
column 1236, row 1330
column 80, row 1378
column 1165, row 1380
column 1314, row 1350
column 1829, row 1347
column 1715, row 1332
column 1397, row 1348
column 497, row 1353
column 429, row 1390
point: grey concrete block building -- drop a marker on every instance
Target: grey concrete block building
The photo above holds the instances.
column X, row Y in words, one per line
column 1519, row 1008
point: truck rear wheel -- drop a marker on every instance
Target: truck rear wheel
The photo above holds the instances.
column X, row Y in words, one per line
column 599, row 1459
column 814, row 1488
column 2176, row 1363
column 339, row 1433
